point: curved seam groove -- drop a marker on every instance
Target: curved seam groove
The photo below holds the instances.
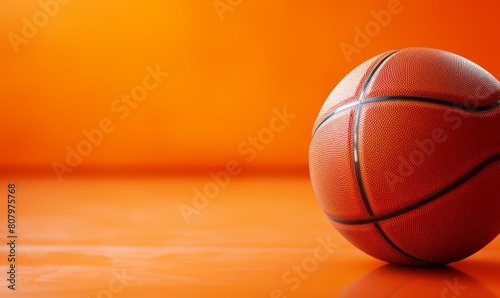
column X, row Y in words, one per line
column 334, row 112
column 468, row 108
column 475, row 109
column 357, row 166
column 457, row 183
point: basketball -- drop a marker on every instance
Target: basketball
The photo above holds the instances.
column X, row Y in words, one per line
column 404, row 157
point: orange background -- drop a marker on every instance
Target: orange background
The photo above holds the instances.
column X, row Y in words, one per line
column 225, row 78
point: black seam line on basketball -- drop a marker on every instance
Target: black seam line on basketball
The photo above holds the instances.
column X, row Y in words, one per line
column 377, row 218
column 404, row 253
column 336, row 111
column 493, row 105
column 468, row 108
column 361, row 95
column 357, row 166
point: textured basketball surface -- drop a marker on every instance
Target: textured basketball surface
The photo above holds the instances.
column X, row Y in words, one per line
column 405, row 157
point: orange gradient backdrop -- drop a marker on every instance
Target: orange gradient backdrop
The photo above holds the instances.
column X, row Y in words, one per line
column 226, row 76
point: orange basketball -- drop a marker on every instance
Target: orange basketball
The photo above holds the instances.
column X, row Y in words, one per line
column 404, row 157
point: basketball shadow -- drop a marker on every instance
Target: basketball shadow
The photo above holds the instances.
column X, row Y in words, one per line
column 397, row 281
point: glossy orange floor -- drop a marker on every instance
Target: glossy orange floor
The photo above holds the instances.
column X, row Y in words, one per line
column 257, row 237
